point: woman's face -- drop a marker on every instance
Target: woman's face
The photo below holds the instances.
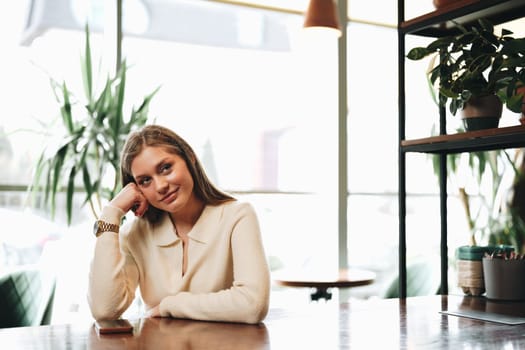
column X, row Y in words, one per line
column 163, row 178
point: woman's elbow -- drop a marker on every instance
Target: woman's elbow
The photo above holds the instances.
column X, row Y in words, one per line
column 258, row 314
column 104, row 311
column 100, row 313
column 257, row 311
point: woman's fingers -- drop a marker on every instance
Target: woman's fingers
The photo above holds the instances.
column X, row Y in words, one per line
column 131, row 198
column 154, row 312
column 140, row 206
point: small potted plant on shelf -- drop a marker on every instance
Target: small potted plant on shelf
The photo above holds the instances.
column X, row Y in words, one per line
column 439, row 4
column 476, row 70
column 493, row 213
column 470, row 265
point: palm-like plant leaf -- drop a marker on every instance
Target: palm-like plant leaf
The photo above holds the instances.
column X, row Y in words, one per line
column 87, row 68
column 92, row 142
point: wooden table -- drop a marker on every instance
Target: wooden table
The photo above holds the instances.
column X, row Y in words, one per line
column 321, row 282
column 412, row 323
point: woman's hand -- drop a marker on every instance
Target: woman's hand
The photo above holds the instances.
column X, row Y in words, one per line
column 154, row 312
column 131, row 198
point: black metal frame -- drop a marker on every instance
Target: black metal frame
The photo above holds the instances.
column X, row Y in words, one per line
column 436, row 24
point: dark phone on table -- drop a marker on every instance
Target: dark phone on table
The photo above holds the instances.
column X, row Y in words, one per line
column 113, row 326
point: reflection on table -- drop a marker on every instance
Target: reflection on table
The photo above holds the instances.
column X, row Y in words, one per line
column 412, row 323
column 161, row 333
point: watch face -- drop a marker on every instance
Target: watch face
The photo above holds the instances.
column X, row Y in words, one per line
column 102, row 226
column 95, row 227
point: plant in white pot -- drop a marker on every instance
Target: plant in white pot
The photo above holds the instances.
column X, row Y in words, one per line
column 86, row 159
column 476, row 70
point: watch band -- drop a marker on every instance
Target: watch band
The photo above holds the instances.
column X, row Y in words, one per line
column 103, row 226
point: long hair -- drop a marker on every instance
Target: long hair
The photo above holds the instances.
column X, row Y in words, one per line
column 159, row 136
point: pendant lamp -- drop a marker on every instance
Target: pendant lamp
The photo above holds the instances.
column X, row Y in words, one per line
column 322, row 14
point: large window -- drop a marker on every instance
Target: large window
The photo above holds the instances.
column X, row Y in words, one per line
column 241, row 84
column 250, row 97
column 256, row 98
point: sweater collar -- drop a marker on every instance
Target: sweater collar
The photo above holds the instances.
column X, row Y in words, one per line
column 164, row 233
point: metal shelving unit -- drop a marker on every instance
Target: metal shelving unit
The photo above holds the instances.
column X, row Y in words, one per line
column 437, row 24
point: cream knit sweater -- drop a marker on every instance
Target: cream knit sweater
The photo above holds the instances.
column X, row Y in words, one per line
column 227, row 277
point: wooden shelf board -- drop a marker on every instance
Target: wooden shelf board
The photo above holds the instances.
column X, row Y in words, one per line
column 518, row 129
column 472, row 140
column 441, row 22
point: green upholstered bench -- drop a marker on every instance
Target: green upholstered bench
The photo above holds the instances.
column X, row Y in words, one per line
column 26, row 296
column 421, row 280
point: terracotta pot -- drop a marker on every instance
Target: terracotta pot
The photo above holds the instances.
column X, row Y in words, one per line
column 482, row 113
column 443, row 3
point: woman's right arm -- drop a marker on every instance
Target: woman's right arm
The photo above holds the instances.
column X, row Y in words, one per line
column 113, row 276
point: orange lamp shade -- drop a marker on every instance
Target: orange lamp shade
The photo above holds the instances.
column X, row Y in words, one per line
column 322, row 13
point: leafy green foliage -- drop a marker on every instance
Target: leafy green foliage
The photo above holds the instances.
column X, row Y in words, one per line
column 90, row 147
column 508, row 229
column 503, row 225
column 474, row 63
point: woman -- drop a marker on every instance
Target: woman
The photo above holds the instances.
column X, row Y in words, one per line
column 194, row 251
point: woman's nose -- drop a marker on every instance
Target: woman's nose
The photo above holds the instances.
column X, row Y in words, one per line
column 162, row 185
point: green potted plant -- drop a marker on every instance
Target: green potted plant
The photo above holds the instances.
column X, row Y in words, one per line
column 475, row 69
column 493, row 223
column 88, row 154
column 505, row 231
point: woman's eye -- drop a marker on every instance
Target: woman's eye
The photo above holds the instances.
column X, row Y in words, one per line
column 144, row 181
column 165, row 167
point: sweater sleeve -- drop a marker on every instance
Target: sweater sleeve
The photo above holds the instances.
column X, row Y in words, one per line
column 247, row 300
column 113, row 276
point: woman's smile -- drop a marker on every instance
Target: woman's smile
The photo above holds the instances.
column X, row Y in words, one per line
column 170, row 197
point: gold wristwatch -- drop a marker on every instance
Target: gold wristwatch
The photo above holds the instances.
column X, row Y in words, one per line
column 102, row 226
